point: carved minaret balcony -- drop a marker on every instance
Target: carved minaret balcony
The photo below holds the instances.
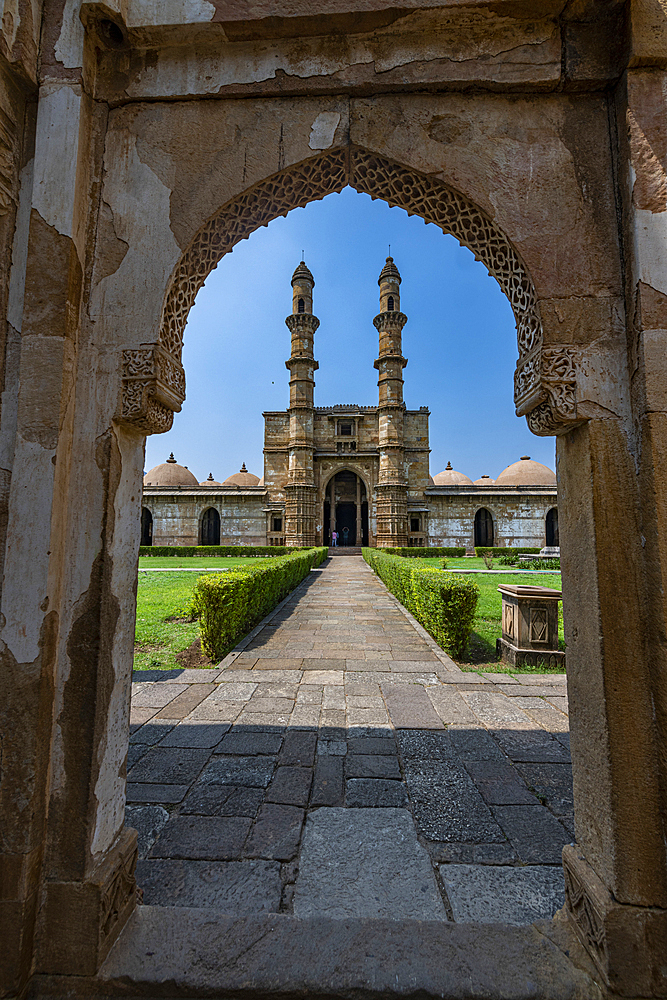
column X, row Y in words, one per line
column 300, row 487
column 392, row 488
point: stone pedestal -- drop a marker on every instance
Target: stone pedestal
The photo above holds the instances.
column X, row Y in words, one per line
column 530, row 627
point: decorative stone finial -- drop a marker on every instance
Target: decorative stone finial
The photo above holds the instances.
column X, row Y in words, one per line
column 171, row 459
column 210, row 476
column 449, row 467
column 525, row 458
column 243, row 468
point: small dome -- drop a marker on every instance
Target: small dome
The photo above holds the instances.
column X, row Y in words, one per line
column 303, row 273
column 261, row 482
column 526, row 472
column 170, row 473
column 210, row 481
column 242, row 478
column 450, row 477
column 431, row 481
column 389, row 272
column 484, row 481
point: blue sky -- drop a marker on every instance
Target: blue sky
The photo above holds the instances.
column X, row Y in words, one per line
column 460, row 340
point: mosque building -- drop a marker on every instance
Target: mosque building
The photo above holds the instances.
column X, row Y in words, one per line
column 362, row 471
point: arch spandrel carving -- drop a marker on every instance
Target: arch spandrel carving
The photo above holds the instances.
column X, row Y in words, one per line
column 545, row 379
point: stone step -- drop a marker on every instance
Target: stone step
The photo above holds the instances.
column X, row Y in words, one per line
column 345, row 550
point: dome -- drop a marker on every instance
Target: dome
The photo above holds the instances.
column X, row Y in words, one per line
column 526, row 472
column 242, row 478
column 389, row 272
column 210, row 481
column 170, row 473
column 261, row 482
column 449, row 477
column 484, row 481
column 303, row 273
column 431, row 481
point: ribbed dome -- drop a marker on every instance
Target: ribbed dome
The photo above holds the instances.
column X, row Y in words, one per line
column 389, row 272
column 242, row 478
column 450, row 477
column 210, row 481
column 526, row 472
column 170, row 473
column 484, row 481
column 302, row 272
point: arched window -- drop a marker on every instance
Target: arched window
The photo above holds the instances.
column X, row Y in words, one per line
column 302, row 306
column 552, row 528
column 483, row 527
column 210, row 527
column 390, row 303
column 146, row 526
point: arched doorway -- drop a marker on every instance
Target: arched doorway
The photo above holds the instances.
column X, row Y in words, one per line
column 209, row 532
column 347, row 490
column 551, row 531
column 146, row 526
column 483, row 528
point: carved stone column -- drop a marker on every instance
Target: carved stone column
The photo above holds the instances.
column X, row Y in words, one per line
column 360, row 537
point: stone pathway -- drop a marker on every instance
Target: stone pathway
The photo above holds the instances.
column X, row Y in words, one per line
column 339, row 763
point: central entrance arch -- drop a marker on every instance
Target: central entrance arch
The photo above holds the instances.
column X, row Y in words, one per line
column 345, row 509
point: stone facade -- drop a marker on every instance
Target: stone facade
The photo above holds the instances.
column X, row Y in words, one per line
column 139, row 143
column 360, row 470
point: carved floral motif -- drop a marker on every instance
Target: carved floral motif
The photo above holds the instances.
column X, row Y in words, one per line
column 589, row 922
column 153, row 389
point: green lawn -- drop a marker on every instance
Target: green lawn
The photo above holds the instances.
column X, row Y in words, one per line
column 162, row 602
column 197, row 562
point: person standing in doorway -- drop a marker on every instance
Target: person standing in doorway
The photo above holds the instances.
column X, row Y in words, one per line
column 334, row 538
column 346, row 532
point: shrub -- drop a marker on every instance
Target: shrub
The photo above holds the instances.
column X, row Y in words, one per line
column 216, row 550
column 443, row 603
column 540, row 564
column 434, row 553
column 488, row 560
column 228, row 605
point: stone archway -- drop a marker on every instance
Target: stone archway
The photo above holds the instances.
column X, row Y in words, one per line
column 545, row 378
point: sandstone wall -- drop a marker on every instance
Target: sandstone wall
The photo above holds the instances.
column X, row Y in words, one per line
column 517, row 521
column 177, row 519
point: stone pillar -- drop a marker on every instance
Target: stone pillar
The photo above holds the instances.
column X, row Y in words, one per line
column 360, row 536
column 392, row 487
column 300, row 489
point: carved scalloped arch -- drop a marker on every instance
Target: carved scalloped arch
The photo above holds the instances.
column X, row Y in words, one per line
column 370, row 174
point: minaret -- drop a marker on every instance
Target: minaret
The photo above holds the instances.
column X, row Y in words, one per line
column 300, row 490
column 392, row 488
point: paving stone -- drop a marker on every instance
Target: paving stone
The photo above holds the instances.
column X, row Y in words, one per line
column 446, row 804
column 156, row 694
column 372, row 745
column 198, row 735
column 328, row 782
column 331, row 748
column 382, row 870
column 135, row 752
column 193, row 695
column 276, row 832
column 238, row 887
column 222, row 800
column 323, row 677
column 366, row 716
column 553, row 782
column 531, row 746
column 299, row 748
column 420, row 744
column 153, row 732
column 375, row 793
column 290, row 786
column 155, row 792
column 140, row 715
column 474, row 743
column 213, row 838
column 473, row 854
column 250, row 743
column 537, row 835
column 305, row 717
column 169, row 766
column 503, row 895
column 225, row 712
column 371, row 766
column 450, row 706
column 269, row 706
column 147, row 821
column 499, row 783
column 410, row 707
column 251, row 772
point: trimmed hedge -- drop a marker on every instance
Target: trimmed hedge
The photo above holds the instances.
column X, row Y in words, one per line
column 229, row 604
column 216, row 550
column 443, row 603
column 508, row 551
column 434, row 553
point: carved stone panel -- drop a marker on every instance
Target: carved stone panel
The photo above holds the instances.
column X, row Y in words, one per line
column 153, row 389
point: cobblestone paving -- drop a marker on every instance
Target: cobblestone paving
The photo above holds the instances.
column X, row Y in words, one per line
column 339, row 763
